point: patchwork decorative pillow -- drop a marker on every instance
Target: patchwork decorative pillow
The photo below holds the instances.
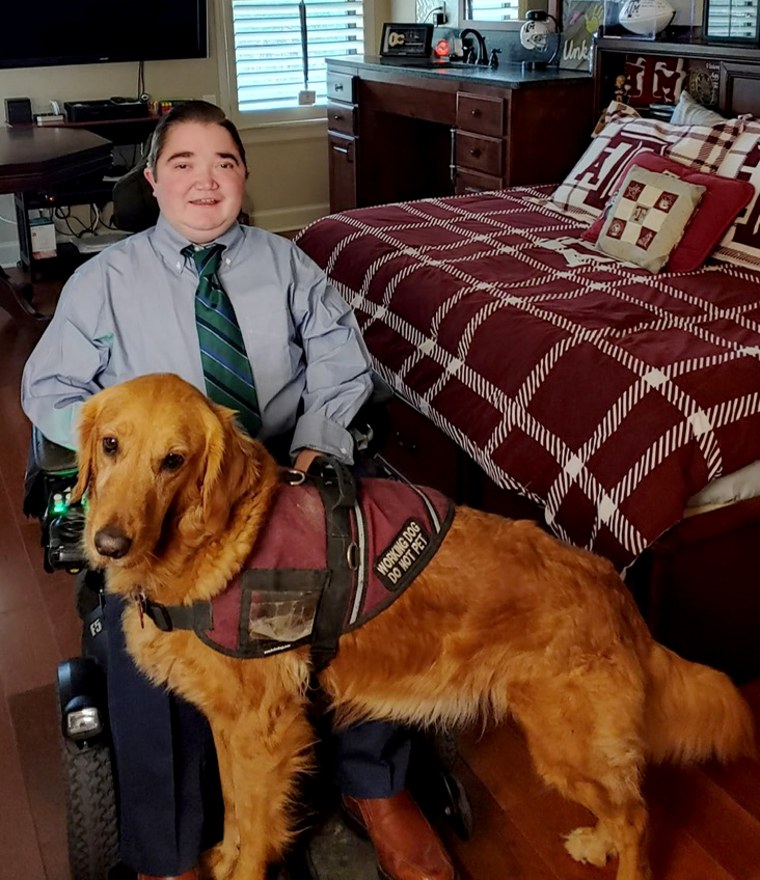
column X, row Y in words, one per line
column 741, row 244
column 648, row 218
column 721, row 203
column 596, row 175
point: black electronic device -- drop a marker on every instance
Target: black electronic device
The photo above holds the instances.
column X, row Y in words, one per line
column 18, row 111
column 47, row 32
column 406, row 40
column 102, row 111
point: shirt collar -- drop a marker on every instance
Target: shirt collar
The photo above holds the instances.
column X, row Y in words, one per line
column 169, row 243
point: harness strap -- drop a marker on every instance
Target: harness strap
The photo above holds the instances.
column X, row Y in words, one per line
column 197, row 617
column 337, row 489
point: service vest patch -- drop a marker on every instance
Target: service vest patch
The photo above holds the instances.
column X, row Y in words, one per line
column 393, row 531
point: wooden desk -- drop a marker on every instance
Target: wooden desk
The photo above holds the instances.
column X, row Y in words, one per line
column 400, row 133
column 35, row 159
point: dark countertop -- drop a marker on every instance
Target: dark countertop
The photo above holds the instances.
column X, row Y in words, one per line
column 508, row 75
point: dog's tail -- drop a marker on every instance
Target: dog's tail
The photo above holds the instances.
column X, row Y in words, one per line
column 694, row 712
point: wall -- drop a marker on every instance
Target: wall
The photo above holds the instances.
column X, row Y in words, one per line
column 288, row 186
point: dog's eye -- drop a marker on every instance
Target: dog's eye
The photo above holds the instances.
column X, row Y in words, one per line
column 110, row 445
column 172, row 461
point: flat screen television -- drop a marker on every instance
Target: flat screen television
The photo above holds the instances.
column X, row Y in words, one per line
column 39, row 33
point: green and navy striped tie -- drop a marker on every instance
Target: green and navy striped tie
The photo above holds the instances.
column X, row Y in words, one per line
column 226, row 367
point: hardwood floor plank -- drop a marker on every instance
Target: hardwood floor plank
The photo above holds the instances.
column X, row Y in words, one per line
column 21, row 858
column 35, row 723
column 28, row 651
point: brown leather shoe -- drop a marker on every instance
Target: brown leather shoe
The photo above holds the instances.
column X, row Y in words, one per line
column 192, row 874
column 406, row 845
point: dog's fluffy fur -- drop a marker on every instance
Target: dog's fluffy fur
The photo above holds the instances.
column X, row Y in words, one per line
column 504, row 620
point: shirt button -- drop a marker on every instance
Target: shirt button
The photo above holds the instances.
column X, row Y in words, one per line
column 227, row 261
column 179, row 265
column 344, row 450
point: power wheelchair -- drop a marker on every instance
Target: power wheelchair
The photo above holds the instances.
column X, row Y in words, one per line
column 88, row 774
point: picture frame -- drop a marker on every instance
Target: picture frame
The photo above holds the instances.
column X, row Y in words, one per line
column 409, row 40
column 731, row 21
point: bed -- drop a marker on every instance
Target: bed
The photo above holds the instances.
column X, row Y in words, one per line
column 615, row 401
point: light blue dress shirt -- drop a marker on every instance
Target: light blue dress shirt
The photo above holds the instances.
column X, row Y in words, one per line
column 130, row 311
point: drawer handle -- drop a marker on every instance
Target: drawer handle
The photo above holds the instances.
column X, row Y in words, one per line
column 343, row 150
column 475, row 152
column 405, row 443
column 337, row 116
column 475, row 112
column 338, row 87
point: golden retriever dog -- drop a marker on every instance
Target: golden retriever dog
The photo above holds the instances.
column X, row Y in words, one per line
column 504, row 620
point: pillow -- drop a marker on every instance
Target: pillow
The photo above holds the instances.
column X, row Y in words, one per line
column 648, row 217
column 741, row 244
column 721, row 203
column 615, row 110
column 691, row 112
column 596, row 175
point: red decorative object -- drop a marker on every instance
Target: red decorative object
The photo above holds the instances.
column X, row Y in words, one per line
column 652, row 80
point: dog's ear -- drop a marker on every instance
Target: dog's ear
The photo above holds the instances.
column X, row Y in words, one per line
column 230, row 467
column 88, row 416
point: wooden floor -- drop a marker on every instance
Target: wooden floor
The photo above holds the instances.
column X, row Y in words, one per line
column 705, row 822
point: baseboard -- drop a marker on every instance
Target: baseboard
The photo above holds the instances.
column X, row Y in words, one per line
column 288, row 219
column 9, row 254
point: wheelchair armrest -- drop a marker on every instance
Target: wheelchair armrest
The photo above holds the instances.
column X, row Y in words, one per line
column 50, row 457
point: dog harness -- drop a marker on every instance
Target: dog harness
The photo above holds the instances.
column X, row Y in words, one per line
column 334, row 553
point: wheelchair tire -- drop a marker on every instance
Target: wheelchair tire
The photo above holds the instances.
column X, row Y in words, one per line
column 92, row 821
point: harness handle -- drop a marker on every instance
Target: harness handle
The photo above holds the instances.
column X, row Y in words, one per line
column 334, row 475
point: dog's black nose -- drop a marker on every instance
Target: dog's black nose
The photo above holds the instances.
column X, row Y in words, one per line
column 112, row 542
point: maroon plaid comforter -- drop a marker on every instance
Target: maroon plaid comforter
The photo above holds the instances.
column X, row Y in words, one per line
column 607, row 394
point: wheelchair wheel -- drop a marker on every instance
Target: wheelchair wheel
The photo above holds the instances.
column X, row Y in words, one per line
column 91, row 817
column 92, row 824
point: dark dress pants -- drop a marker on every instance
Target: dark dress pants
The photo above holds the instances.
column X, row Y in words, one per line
column 170, row 800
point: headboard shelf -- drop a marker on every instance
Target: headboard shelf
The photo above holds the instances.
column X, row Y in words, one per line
column 723, row 76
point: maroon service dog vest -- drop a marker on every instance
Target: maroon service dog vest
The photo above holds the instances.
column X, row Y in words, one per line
column 327, row 561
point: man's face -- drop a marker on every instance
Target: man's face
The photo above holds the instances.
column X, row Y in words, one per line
column 199, row 180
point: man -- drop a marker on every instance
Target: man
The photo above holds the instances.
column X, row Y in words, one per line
column 248, row 318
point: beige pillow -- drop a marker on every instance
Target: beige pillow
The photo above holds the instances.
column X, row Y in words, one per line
column 691, row 112
column 648, row 217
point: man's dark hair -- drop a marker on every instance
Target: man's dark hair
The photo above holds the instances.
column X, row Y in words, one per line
column 191, row 111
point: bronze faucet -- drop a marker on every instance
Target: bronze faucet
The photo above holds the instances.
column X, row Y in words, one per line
column 482, row 50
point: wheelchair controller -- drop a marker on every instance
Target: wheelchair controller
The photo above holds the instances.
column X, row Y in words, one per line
column 62, row 525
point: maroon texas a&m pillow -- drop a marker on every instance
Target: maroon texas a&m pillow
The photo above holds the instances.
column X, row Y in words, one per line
column 724, row 198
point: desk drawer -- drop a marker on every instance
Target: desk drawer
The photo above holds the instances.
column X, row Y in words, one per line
column 341, row 117
column 340, row 87
column 480, row 114
column 484, row 154
column 468, row 182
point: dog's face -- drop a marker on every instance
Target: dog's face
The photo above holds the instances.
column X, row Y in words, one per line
column 159, row 462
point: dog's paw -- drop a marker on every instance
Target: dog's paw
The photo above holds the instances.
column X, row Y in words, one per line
column 219, row 863
column 590, row 845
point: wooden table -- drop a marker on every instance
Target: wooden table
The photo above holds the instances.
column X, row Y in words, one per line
column 39, row 159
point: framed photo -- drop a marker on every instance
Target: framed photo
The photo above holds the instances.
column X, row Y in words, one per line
column 406, row 40
column 731, row 21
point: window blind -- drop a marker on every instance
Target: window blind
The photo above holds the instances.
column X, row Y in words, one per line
column 268, row 48
column 493, row 10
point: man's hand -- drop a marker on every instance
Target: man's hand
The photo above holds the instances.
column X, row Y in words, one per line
column 304, row 458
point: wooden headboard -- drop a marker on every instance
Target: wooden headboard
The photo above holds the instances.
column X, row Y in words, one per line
column 740, row 88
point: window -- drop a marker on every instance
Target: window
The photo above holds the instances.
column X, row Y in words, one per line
column 493, row 10
column 276, row 56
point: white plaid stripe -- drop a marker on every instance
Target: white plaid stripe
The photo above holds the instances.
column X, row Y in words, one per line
column 499, row 230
